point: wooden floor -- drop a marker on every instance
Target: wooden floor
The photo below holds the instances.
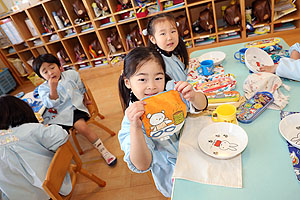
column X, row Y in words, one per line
column 122, row 184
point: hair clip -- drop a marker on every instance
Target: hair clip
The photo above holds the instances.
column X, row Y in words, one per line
column 177, row 24
column 145, row 32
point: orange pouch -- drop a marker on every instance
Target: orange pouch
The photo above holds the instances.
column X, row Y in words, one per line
column 164, row 114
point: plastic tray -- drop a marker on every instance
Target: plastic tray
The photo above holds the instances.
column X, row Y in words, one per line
column 7, row 82
column 253, row 107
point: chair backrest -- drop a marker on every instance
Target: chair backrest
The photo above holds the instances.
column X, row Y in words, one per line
column 93, row 108
column 58, row 168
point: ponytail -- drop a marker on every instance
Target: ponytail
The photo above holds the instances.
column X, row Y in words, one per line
column 124, row 93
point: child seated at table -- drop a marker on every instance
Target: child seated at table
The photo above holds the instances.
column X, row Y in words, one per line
column 287, row 67
column 144, row 74
column 26, row 150
column 64, row 91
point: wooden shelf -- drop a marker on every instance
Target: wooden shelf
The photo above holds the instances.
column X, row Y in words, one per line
column 191, row 9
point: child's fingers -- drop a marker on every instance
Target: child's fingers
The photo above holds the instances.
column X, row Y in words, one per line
column 135, row 108
column 180, row 85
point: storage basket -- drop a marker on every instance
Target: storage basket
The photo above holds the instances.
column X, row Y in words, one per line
column 7, row 82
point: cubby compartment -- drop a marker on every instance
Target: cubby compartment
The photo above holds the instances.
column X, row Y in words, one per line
column 75, row 51
column 18, row 65
column 57, row 14
column 9, row 50
column 82, row 14
column 66, row 33
column 131, row 33
column 69, row 67
column 105, row 22
column 41, row 19
column 91, row 44
column 27, row 58
column 125, row 16
column 59, row 50
column 233, row 24
column 199, row 31
column 113, row 43
column 116, row 58
column 184, row 29
column 289, row 25
column 98, row 62
column 205, row 40
column 172, row 5
column 232, row 34
column 84, row 27
column 117, row 8
column 288, row 14
column 83, row 65
column 51, row 37
column 98, row 10
column 20, row 19
column 35, row 42
column 38, row 51
column 21, row 47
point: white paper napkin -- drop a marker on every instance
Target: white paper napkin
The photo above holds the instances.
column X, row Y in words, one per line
column 194, row 165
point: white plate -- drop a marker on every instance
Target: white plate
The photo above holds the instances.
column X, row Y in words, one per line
column 222, row 140
column 289, row 128
column 254, row 55
column 216, row 56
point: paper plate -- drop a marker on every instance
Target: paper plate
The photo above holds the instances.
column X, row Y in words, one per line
column 222, row 140
column 216, row 56
column 255, row 57
column 289, row 128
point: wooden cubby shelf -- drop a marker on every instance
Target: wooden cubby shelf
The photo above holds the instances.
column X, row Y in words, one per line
column 99, row 28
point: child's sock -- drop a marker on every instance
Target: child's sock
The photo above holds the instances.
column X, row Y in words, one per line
column 108, row 157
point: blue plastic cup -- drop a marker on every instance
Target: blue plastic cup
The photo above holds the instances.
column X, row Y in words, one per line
column 206, row 67
column 240, row 55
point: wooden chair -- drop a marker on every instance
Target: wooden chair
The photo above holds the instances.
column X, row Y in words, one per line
column 94, row 113
column 60, row 165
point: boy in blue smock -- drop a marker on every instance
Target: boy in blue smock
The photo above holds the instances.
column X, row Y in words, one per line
column 64, row 91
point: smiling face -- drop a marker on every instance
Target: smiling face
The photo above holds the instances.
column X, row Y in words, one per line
column 148, row 80
column 50, row 70
column 165, row 35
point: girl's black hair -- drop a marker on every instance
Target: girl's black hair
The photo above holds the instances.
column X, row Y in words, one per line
column 180, row 50
column 132, row 62
column 15, row 112
column 48, row 58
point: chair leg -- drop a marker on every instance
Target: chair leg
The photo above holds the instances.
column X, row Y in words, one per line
column 101, row 116
column 73, row 133
column 94, row 178
column 102, row 126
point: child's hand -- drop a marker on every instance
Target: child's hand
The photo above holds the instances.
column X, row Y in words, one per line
column 87, row 102
column 53, row 82
column 295, row 55
column 185, row 89
column 271, row 69
column 134, row 112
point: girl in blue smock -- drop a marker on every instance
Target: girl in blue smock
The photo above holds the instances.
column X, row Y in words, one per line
column 144, row 75
column 164, row 37
column 287, row 67
column 64, row 92
column 26, row 150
